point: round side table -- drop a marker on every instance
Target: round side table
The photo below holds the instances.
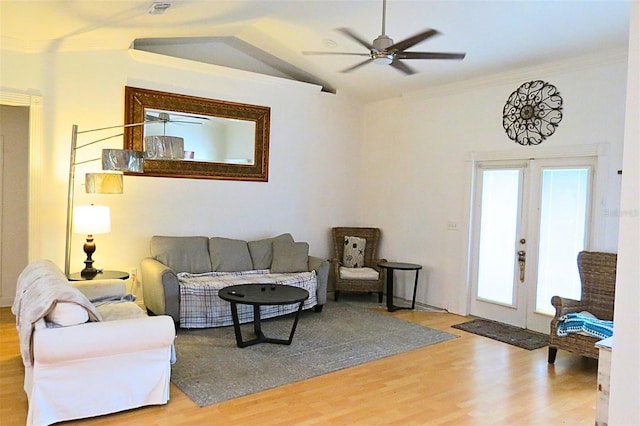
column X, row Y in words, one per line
column 401, row 266
column 104, row 275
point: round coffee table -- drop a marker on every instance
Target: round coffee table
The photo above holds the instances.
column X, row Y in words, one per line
column 258, row 295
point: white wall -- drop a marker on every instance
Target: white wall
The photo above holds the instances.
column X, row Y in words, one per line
column 417, row 171
column 310, row 130
column 625, row 362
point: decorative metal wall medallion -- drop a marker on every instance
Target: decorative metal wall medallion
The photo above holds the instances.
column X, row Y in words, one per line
column 532, row 112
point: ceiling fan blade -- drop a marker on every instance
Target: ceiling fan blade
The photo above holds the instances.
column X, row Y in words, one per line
column 185, row 122
column 397, row 64
column 430, row 55
column 358, row 65
column 413, row 40
column 356, row 37
column 190, row 116
column 336, row 53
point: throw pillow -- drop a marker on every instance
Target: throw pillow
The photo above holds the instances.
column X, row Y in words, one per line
column 353, row 256
column 290, row 257
column 228, row 255
column 182, row 254
column 68, row 313
column 261, row 251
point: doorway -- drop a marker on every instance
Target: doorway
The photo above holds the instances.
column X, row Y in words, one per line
column 530, row 219
column 14, row 197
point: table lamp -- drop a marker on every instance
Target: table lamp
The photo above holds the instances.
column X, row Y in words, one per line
column 91, row 220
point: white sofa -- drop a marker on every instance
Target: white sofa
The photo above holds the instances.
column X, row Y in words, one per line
column 87, row 349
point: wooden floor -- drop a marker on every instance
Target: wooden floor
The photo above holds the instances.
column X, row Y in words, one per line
column 471, row 380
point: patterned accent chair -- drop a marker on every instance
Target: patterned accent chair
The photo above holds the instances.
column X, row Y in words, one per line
column 368, row 278
column 598, row 277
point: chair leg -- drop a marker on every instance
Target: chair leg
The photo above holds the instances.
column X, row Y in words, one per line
column 380, row 297
column 552, row 355
column 335, row 295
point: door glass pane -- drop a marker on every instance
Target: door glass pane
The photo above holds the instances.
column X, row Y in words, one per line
column 563, row 219
column 498, row 227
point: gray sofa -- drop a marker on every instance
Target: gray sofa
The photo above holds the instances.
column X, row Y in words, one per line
column 198, row 254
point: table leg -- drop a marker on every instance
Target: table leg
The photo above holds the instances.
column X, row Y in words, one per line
column 295, row 323
column 415, row 288
column 257, row 328
column 236, row 324
column 390, row 305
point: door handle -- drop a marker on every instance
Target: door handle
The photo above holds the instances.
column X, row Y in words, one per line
column 522, row 260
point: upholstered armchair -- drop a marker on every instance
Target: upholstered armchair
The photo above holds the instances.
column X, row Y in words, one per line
column 357, row 276
column 598, row 278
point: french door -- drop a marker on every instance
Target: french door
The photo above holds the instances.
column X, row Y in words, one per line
column 530, row 220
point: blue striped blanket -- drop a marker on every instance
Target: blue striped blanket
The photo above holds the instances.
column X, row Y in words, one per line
column 588, row 324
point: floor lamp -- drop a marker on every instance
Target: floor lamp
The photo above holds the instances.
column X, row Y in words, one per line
column 116, row 161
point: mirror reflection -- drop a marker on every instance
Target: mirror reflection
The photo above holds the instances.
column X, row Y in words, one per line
column 206, row 138
column 191, row 137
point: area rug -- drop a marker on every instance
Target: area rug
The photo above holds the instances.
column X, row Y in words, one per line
column 505, row 333
column 210, row 368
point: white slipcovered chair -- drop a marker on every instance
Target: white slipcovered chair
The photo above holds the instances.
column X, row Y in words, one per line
column 81, row 360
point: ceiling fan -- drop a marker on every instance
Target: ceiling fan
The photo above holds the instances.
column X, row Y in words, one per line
column 384, row 51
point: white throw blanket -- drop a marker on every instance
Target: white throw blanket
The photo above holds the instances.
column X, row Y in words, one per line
column 41, row 285
column 200, row 306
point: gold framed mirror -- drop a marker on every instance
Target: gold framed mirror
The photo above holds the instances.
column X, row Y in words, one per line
column 221, row 139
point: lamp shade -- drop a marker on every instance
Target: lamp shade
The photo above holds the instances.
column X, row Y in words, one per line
column 91, row 220
column 164, row 147
column 103, row 183
column 123, row 160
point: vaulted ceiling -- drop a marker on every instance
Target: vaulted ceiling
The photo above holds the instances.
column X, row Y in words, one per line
column 269, row 36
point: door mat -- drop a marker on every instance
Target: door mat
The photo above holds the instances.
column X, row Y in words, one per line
column 505, row 333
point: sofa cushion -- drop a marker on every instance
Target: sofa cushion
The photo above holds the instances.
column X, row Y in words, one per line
column 182, row 254
column 353, row 256
column 229, row 255
column 290, row 257
column 67, row 313
column 261, row 251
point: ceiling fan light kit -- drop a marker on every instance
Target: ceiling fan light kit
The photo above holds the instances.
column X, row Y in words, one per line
column 384, row 51
column 381, row 58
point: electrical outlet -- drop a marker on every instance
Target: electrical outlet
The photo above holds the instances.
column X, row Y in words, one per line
column 133, row 272
column 452, row 226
